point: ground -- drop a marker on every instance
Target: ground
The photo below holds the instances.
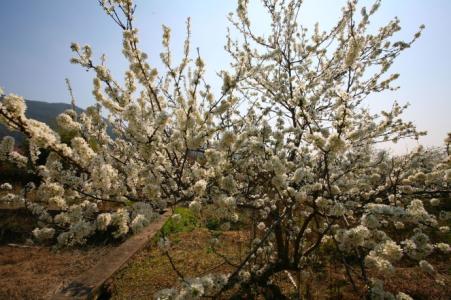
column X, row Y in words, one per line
column 35, row 272
column 150, row 271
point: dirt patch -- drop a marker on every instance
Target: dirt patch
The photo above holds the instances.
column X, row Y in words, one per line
column 34, row 273
column 150, row 271
column 420, row 285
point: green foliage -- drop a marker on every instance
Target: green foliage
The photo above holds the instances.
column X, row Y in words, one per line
column 187, row 222
column 212, row 223
column 214, row 218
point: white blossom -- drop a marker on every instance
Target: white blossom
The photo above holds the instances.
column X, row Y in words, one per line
column 435, row 202
column 443, row 247
column 199, row 187
column 426, row 267
column 103, row 220
column 195, row 206
column 6, row 186
column 261, row 226
column 42, row 234
column 138, row 223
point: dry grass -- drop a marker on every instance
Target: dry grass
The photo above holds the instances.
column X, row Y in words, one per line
column 150, row 271
column 33, row 273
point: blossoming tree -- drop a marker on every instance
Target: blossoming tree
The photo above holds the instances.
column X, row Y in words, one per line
column 288, row 138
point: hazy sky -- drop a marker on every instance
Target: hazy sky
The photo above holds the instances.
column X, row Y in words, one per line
column 35, row 38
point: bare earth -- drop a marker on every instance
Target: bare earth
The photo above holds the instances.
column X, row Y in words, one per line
column 35, row 273
column 150, row 271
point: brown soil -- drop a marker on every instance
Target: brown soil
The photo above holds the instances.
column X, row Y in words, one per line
column 150, row 271
column 36, row 272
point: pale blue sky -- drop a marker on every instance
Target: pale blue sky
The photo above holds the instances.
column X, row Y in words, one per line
column 35, row 38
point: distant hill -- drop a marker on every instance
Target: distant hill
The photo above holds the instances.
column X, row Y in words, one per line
column 42, row 111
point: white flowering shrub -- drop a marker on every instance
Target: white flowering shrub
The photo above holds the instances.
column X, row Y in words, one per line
column 158, row 120
column 289, row 138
